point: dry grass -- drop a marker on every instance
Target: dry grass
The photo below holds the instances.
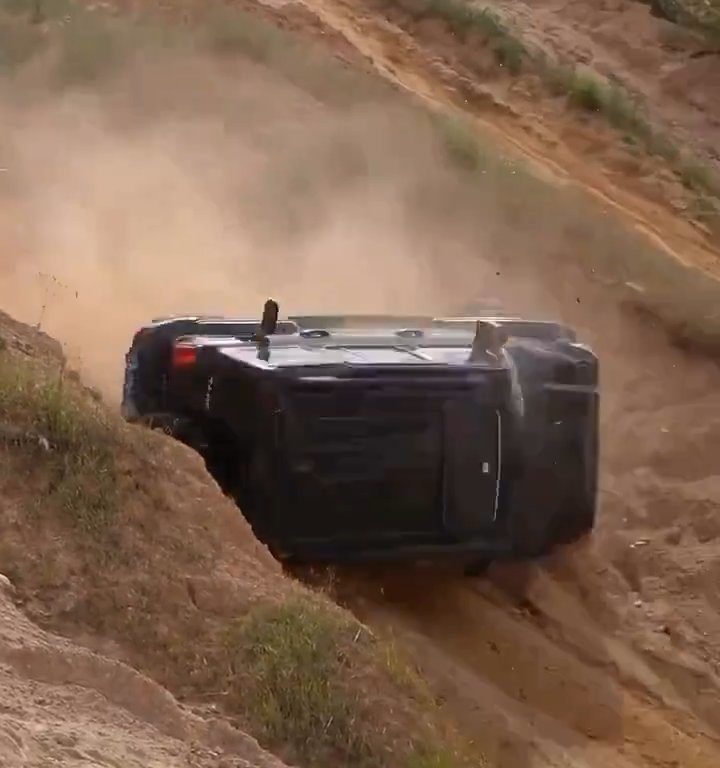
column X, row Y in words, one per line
column 582, row 89
column 702, row 15
column 294, row 662
column 309, row 677
column 87, row 42
column 430, row 759
column 71, row 444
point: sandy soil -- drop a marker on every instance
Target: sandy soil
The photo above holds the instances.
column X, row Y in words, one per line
column 676, row 72
column 62, row 705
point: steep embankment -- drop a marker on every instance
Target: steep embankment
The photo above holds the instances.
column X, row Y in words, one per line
column 61, row 704
column 118, row 538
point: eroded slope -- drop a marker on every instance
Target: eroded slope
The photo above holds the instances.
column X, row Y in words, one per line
column 118, row 538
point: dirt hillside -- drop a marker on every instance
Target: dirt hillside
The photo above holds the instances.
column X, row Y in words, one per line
column 249, row 164
column 181, row 624
column 576, row 106
column 61, row 704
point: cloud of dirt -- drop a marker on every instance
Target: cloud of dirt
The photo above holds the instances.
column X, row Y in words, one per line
column 191, row 186
column 190, row 183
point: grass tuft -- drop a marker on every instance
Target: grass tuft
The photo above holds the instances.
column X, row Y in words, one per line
column 46, row 420
column 460, row 143
column 465, row 21
column 291, row 662
column 582, row 89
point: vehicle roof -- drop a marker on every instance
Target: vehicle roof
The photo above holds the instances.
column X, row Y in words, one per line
column 362, row 347
column 367, row 322
column 355, row 340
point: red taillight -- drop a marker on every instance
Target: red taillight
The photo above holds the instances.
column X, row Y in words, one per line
column 183, row 355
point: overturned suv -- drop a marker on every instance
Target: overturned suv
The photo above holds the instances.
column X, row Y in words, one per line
column 382, row 437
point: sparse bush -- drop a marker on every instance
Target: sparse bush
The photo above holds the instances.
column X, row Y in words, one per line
column 586, row 92
column 509, row 53
column 460, row 143
column 583, row 90
column 69, row 441
column 465, row 20
column 291, row 664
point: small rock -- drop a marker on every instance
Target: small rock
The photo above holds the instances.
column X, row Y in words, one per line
column 638, row 603
column 67, row 740
column 6, row 585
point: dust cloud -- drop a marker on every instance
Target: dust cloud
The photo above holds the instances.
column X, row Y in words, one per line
column 196, row 186
column 203, row 184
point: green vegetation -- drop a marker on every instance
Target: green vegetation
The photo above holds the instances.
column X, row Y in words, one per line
column 298, row 665
column 701, row 15
column 292, row 664
column 583, row 90
column 70, row 443
column 86, row 42
column 468, row 22
column 308, row 678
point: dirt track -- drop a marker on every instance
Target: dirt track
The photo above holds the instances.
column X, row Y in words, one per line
column 607, row 655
